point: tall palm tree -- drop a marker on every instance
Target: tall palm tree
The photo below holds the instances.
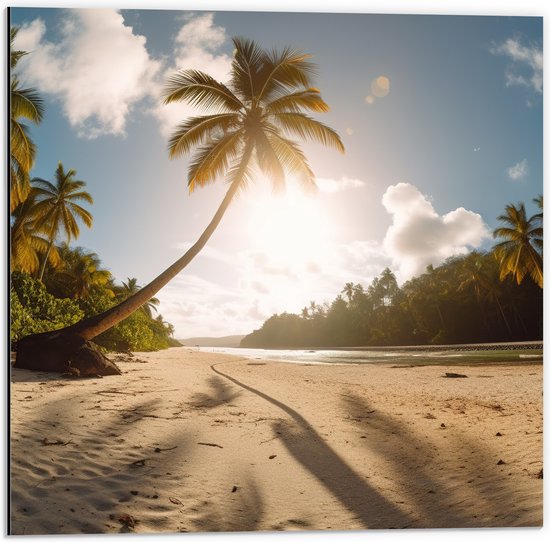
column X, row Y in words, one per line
column 348, row 291
column 57, row 205
column 252, row 120
column 27, row 240
column 25, row 103
column 518, row 254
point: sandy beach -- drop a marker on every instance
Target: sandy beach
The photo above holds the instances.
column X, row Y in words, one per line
column 192, row 441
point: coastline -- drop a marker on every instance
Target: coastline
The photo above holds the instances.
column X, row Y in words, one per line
column 195, row 441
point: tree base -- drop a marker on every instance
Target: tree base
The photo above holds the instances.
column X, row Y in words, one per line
column 63, row 352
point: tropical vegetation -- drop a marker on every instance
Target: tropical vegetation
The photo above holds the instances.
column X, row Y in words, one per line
column 55, row 285
column 478, row 297
column 25, row 104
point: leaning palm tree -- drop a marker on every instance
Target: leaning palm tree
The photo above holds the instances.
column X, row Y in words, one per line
column 251, row 121
column 57, row 205
column 517, row 254
column 25, row 103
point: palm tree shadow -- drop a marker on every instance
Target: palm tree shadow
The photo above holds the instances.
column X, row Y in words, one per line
column 242, row 512
column 102, row 484
column 221, row 393
column 305, row 444
column 415, row 463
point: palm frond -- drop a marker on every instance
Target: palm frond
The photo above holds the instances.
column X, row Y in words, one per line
column 248, row 60
column 27, row 103
column 269, row 162
column 308, row 128
column 195, row 130
column 200, row 89
column 283, row 70
column 21, row 145
column 212, row 160
column 309, row 99
column 292, row 159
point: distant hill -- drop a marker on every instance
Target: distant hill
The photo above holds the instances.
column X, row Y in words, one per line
column 229, row 341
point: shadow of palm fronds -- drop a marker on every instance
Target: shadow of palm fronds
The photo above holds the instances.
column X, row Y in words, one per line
column 220, row 393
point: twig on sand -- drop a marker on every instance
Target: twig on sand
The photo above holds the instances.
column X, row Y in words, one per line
column 210, row 444
column 46, row 442
column 158, row 450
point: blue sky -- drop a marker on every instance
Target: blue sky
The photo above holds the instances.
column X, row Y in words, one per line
column 441, row 117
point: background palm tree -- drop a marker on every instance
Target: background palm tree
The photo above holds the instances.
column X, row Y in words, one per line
column 253, row 119
column 518, row 254
column 79, row 273
column 58, row 209
column 131, row 287
column 25, row 103
column 27, row 239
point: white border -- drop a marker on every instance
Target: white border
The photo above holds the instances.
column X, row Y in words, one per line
column 447, row 7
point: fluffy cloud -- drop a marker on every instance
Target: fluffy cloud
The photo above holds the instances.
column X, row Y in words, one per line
column 195, row 48
column 526, row 63
column 518, row 171
column 419, row 236
column 99, row 69
column 338, row 185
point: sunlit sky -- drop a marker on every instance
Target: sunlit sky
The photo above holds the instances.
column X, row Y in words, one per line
column 441, row 117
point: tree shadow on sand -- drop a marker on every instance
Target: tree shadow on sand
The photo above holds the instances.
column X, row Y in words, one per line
column 87, row 486
column 303, row 442
column 434, row 485
column 221, row 393
column 242, row 511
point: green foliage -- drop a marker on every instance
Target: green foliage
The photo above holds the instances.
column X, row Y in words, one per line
column 138, row 333
column 34, row 310
column 461, row 301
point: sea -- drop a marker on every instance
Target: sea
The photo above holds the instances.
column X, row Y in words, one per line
column 481, row 354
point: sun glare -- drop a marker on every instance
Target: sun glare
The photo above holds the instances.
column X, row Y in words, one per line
column 293, row 227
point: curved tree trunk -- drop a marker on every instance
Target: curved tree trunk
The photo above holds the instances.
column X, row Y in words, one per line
column 68, row 348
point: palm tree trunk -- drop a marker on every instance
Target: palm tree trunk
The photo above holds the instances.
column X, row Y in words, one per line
column 46, row 256
column 93, row 326
column 56, row 350
column 504, row 318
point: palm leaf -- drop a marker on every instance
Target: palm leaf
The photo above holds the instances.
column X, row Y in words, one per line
column 213, row 159
column 200, row 89
column 309, row 99
column 26, row 102
column 269, row 162
column 285, row 69
column 248, row 60
column 195, row 130
column 292, row 159
column 308, row 128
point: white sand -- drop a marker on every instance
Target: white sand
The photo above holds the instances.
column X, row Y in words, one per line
column 297, row 447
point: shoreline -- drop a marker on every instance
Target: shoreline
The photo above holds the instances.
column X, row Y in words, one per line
column 188, row 441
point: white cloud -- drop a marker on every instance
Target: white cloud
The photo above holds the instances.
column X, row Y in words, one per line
column 518, row 171
column 419, row 236
column 195, row 48
column 99, row 68
column 527, row 62
column 338, row 185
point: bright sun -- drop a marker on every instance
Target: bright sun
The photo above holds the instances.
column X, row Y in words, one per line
column 293, row 227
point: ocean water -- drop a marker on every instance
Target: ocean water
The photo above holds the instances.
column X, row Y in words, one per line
column 430, row 356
